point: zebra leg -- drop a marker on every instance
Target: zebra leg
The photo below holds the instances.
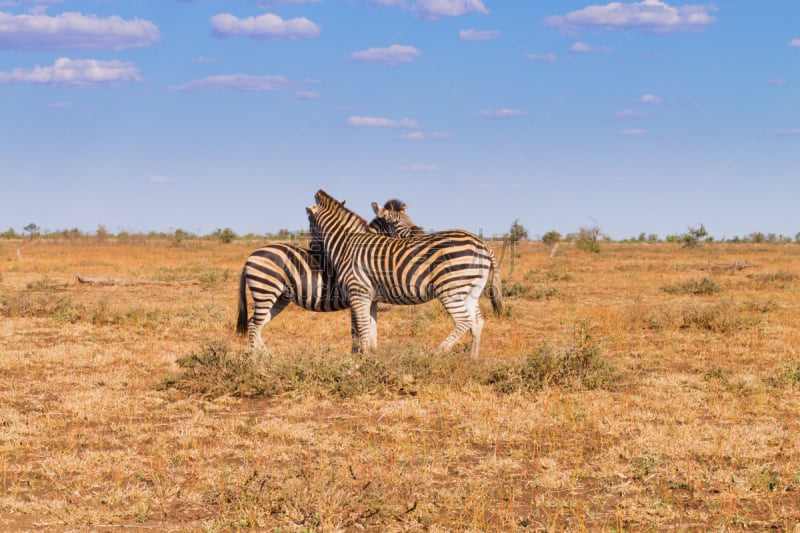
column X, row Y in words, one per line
column 456, row 307
column 373, row 325
column 360, row 323
column 477, row 327
column 474, row 310
column 265, row 310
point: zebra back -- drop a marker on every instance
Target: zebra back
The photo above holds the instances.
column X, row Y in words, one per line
column 402, row 271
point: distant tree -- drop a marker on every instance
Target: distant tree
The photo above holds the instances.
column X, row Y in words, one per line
column 31, row 229
column 690, row 239
column 102, row 233
column 179, row 236
column 225, row 236
column 588, row 238
column 11, row 234
column 551, row 237
column 517, row 232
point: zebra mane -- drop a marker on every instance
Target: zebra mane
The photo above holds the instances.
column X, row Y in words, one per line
column 395, row 205
column 325, row 199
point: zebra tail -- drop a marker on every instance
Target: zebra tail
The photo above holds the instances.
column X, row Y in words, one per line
column 241, row 321
column 496, row 291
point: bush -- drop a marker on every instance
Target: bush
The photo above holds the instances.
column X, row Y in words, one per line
column 587, row 239
column 179, row 236
column 551, row 237
column 720, row 318
column 219, row 369
column 517, row 232
column 10, row 234
column 690, row 240
column 225, row 236
column 698, row 288
column 576, row 367
column 781, row 278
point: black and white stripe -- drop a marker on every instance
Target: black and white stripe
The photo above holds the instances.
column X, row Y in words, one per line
column 279, row 274
column 452, row 266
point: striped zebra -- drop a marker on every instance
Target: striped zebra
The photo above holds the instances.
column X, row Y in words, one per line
column 452, row 266
column 278, row 274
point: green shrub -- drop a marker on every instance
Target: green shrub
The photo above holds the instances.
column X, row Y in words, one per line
column 719, row 318
column 587, row 239
column 779, row 278
column 219, row 369
column 225, row 236
column 703, row 287
column 551, row 237
column 576, row 367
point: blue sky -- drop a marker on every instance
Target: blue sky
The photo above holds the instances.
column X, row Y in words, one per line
column 162, row 114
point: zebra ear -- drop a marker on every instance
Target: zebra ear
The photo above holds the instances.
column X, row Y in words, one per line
column 376, row 207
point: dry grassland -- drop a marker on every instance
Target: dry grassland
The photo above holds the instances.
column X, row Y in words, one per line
column 631, row 390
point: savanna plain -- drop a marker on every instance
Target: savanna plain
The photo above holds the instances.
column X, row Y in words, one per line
column 644, row 387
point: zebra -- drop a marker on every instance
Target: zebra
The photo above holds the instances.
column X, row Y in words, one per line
column 452, row 266
column 279, row 273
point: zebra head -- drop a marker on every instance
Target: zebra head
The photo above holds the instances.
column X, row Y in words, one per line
column 395, row 205
column 391, row 220
column 329, row 221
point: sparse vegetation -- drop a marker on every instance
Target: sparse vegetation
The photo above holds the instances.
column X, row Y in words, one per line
column 587, row 239
column 579, row 366
column 695, row 287
column 225, row 236
column 601, row 402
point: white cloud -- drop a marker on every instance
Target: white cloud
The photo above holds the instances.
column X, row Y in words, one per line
column 379, row 122
column 435, row 9
column 236, row 82
column 649, row 99
column 580, row 47
column 501, row 113
column 388, row 3
column 419, row 136
column 583, row 48
column 74, row 30
column 75, row 73
column 204, row 59
column 544, row 58
column 649, row 15
column 159, row 179
column 264, row 4
column 794, row 43
column 419, row 168
column 784, row 132
column 266, row 26
column 495, row 186
column 633, row 132
column 478, row 35
column 628, row 114
column 306, row 95
column 393, row 55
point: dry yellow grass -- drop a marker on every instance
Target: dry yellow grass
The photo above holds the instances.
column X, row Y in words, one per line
column 698, row 430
